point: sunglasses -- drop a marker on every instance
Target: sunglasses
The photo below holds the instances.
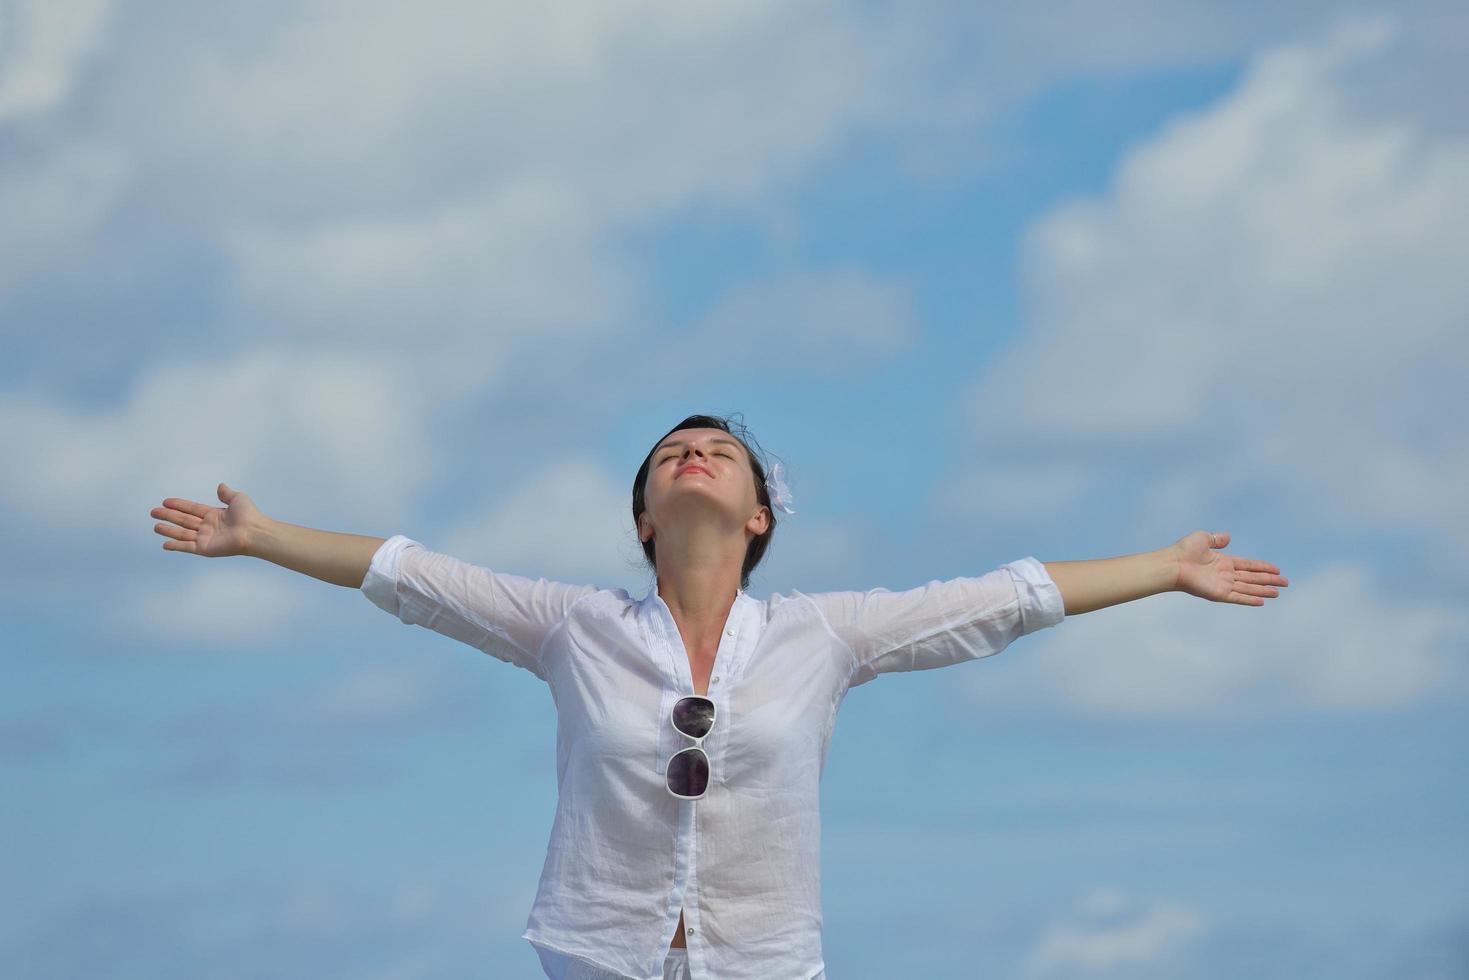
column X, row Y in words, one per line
column 688, row 770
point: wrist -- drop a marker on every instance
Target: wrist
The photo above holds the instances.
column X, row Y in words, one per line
column 1170, row 557
column 259, row 534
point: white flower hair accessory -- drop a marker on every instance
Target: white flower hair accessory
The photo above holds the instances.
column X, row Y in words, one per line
column 780, row 494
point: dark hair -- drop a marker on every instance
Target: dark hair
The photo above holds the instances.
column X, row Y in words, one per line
column 736, row 428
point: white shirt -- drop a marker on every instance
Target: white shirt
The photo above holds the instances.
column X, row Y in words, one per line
column 743, row 864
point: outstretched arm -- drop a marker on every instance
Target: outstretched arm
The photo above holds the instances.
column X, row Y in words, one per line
column 239, row 528
column 1188, row 565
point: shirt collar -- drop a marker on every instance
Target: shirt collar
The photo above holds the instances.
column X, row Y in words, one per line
column 652, row 609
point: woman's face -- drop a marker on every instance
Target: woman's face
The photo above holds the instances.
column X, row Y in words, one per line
column 695, row 470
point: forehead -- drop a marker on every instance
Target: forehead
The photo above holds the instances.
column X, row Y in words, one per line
column 699, row 437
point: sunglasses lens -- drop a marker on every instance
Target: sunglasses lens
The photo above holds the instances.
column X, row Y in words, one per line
column 694, row 716
column 688, row 773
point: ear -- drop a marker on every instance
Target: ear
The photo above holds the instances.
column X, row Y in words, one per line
column 645, row 527
column 759, row 521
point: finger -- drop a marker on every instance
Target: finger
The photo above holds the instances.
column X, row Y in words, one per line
column 1260, row 578
column 1246, row 600
column 188, row 546
column 1259, row 590
column 1267, row 575
column 177, row 533
column 1243, row 565
column 187, row 506
column 177, row 516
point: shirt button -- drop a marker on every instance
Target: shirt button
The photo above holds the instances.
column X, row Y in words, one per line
column 715, row 678
column 689, row 930
column 729, row 632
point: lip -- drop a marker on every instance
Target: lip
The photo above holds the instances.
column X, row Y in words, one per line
column 692, row 468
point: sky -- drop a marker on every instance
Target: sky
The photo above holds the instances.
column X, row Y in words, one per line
column 1060, row 280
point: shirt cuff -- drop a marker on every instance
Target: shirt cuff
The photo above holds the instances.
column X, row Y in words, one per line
column 1041, row 604
column 380, row 584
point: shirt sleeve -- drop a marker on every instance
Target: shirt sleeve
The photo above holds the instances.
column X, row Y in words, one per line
column 506, row 616
column 942, row 623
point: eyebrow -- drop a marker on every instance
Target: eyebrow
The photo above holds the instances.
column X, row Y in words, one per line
column 679, row 442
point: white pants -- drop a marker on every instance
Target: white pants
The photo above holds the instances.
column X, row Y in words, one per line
column 675, row 967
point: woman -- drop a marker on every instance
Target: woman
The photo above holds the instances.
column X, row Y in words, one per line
column 693, row 723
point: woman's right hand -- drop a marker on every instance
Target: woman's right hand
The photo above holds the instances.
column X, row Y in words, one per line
column 214, row 532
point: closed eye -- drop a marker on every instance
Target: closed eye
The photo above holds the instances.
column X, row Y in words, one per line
column 660, row 460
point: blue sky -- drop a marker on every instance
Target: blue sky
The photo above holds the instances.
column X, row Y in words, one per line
column 1050, row 281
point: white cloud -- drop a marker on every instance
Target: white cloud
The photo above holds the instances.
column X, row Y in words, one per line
column 474, row 94
column 569, row 520
column 1118, row 943
column 469, row 179
column 522, row 257
column 1346, row 646
column 1335, row 641
column 229, row 604
column 1266, row 301
column 57, row 184
column 311, row 437
column 449, row 170
column 52, row 204
column 43, row 44
column 810, row 324
column 1101, row 902
column 1040, row 488
column 949, row 69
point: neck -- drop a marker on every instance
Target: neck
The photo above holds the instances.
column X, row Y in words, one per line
column 699, row 574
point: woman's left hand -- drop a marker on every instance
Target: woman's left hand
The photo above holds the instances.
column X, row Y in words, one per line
column 1210, row 574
